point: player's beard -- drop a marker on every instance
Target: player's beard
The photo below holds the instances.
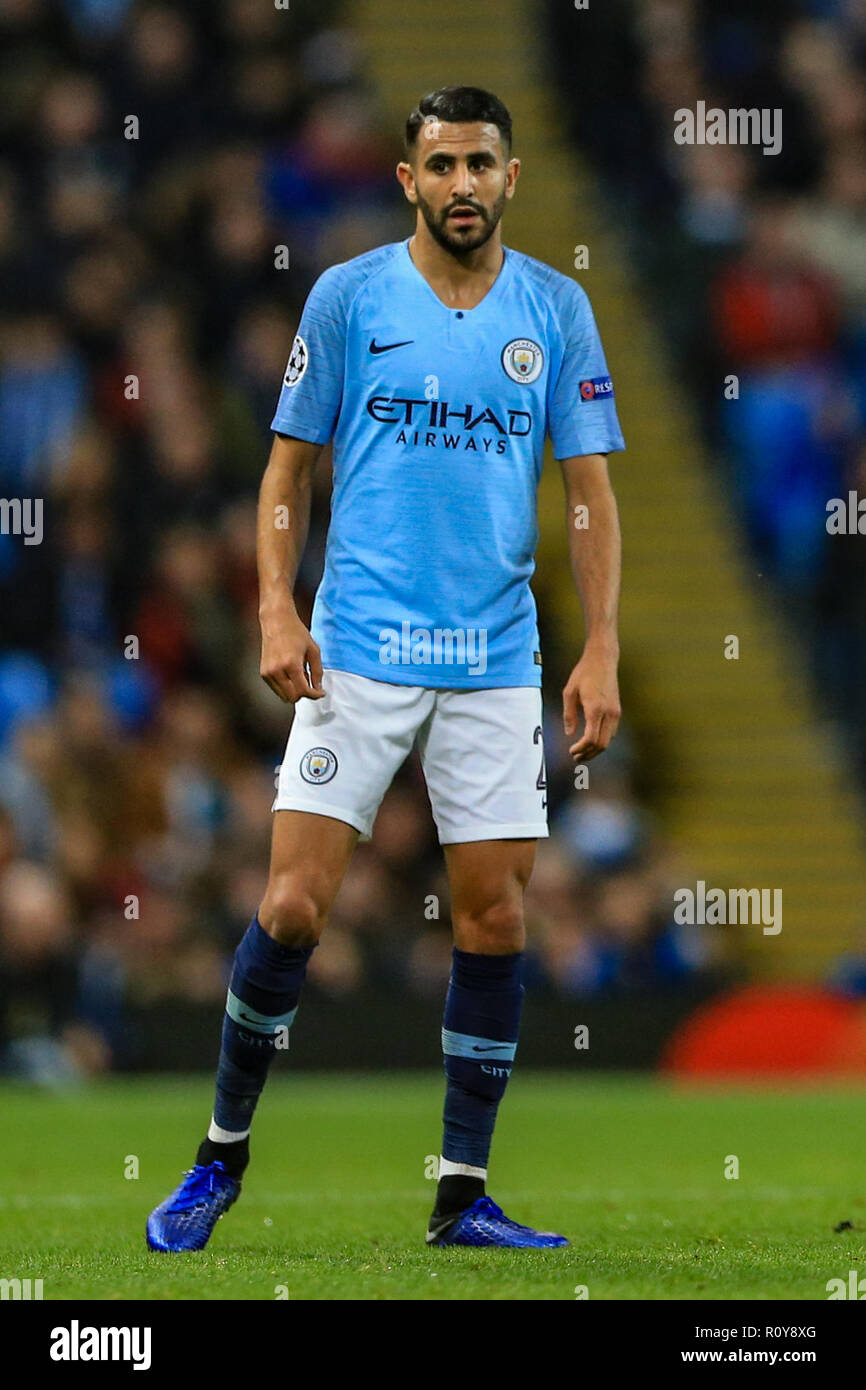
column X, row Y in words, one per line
column 458, row 243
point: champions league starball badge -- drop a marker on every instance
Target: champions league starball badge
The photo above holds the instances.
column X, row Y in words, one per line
column 297, row 363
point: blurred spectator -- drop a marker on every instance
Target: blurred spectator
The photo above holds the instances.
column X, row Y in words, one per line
column 43, row 1037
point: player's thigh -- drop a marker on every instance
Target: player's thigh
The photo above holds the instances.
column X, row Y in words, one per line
column 341, row 756
column 487, row 879
column 309, row 858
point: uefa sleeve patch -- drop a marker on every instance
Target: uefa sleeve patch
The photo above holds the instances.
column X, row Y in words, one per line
column 596, row 388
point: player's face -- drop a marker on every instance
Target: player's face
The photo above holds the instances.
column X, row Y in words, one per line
column 460, row 180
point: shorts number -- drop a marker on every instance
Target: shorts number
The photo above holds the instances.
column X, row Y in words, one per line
column 541, row 781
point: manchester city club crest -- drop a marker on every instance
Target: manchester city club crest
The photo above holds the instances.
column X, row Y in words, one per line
column 318, row 766
column 522, row 360
column 297, row 363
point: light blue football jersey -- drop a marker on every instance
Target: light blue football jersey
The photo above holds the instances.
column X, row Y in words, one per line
column 438, row 418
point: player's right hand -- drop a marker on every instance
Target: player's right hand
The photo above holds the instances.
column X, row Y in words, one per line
column 291, row 661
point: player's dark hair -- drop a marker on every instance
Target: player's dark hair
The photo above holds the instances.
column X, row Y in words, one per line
column 459, row 104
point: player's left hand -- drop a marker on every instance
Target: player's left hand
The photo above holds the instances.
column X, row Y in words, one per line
column 593, row 690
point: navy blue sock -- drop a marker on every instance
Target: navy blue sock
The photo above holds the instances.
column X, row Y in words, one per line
column 479, row 1040
column 262, row 1002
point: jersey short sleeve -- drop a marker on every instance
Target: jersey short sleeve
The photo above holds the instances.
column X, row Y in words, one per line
column 582, row 416
column 312, row 389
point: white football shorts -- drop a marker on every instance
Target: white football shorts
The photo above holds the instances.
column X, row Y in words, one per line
column 481, row 751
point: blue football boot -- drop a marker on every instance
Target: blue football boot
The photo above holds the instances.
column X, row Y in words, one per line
column 185, row 1220
column 484, row 1223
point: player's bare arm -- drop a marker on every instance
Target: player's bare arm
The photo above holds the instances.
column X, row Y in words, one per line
column 291, row 663
column 595, row 552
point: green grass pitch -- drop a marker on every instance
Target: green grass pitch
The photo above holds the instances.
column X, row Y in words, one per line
column 335, row 1202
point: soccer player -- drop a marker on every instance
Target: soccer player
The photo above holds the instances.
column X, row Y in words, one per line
column 437, row 365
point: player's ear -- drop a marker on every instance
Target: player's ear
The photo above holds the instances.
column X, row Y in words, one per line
column 512, row 174
column 406, row 177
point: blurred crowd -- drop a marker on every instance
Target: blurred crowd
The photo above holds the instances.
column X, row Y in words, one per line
column 154, row 159
column 758, row 264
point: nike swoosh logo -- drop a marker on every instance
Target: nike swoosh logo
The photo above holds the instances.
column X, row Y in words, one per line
column 388, row 347
column 489, row 1049
column 248, row 1019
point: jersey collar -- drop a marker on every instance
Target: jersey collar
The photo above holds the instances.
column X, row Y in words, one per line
column 491, row 295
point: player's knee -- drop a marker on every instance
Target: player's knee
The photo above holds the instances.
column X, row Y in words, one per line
column 291, row 912
column 496, row 928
